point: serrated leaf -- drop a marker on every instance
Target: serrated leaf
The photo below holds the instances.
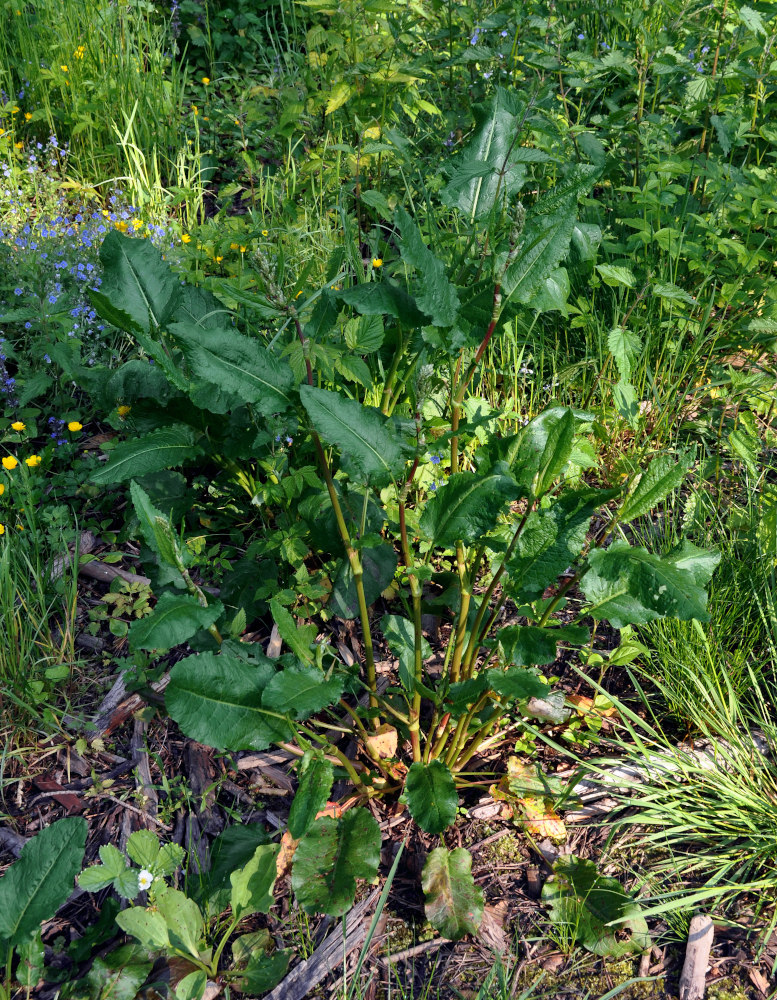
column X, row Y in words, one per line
column 329, row 859
column 300, row 691
column 437, row 297
column 238, row 365
column 379, row 565
column 552, row 293
column 631, row 586
column 626, row 401
column 175, row 619
column 138, row 281
column 35, row 886
column 431, row 796
column 670, row 292
column 316, row 776
column 164, row 448
column 143, row 848
column 661, row 477
column 516, row 684
column 253, row 884
column 384, row 298
column 113, row 860
column 467, row 507
column 454, row 904
column 337, row 97
column 369, row 442
column 556, row 453
column 364, row 334
column 216, row 699
column 169, row 859
column 616, row 276
column 533, row 645
column 625, row 347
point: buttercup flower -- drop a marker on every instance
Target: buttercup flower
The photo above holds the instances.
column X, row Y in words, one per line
column 145, row 878
column 17, row 425
column 206, row 80
column 75, row 426
column 123, row 410
column 2, row 489
column 264, row 232
column 186, row 238
column 9, row 462
column 33, row 460
column 377, row 262
column 2, row 529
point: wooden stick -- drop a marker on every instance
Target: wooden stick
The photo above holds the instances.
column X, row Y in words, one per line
column 693, row 979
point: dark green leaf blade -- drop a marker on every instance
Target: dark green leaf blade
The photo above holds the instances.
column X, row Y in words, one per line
column 175, row 619
column 438, row 297
column 454, row 904
column 316, row 776
column 165, row 448
column 516, row 684
column 467, row 507
column 431, row 796
column 138, row 281
column 661, row 477
column 532, row 645
column 300, row 691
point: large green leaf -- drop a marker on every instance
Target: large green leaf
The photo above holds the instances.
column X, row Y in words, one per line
column 431, row 796
column 438, row 298
column 531, row 645
column 625, row 346
column 661, row 477
column 384, row 298
column 329, row 859
column 556, row 453
column 551, row 541
column 594, row 909
column 263, row 972
column 156, row 528
column 117, row 976
column 516, row 684
column 369, row 442
column 631, row 586
column 379, row 565
column 148, row 926
column 531, row 452
column 216, row 699
column 138, row 281
column 35, row 886
column 165, row 448
column 253, row 884
column 400, row 635
column 316, row 776
column 467, row 507
column 185, row 925
column 454, row 904
column 176, row 618
column 237, row 364
column 300, row 690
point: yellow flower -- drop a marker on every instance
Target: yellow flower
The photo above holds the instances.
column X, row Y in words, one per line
column 2, row 489
column 298, row 294
column 206, row 80
column 233, row 246
column 123, row 410
column 372, row 133
column 33, row 460
column 9, row 462
column 377, row 262
column 18, row 145
column 237, row 122
column 121, row 225
column 75, row 426
column 242, row 249
column 27, row 115
column 186, row 238
column 219, row 259
column 194, row 109
column 264, row 232
column 17, row 425
column 14, row 111
column 63, row 68
column 2, row 529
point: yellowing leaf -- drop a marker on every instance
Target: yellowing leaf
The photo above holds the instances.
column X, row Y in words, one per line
column 338, row 97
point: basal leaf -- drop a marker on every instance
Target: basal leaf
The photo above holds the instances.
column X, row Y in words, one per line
column 165, row 448
column 532, row 645
column 216, row 699
column 384, row 298
column 661, row 477
column 329, row 859
column 176, row 618
column 431, row 796
column 185, row 925
column 631, row 586
column 300, row 691
column 35, row 886
column 379, row 565
column 316, row 776
column 516, row 684
column 253, row 884
column 138, row 281
column 369, row 442
column 454, row 904
column 237, row 364
column 148, row 926
column 437, row 297
column 467, row 507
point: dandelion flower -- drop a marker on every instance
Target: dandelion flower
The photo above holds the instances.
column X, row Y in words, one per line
column 74, row 426
column 17, row 425
column 9, row 462
column 33, row 461
column 123, row 410
column 377, row 262
column 145, row 878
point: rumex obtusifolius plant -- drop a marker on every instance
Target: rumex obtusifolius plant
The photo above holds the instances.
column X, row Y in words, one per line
column 513, row 515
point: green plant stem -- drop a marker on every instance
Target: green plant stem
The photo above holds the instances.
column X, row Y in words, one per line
column 465, row 589
column 418, row 667
column 462, row 728
column 391, row 376
column 202, row 600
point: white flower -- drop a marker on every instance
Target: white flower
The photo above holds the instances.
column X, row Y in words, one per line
column 145, row 878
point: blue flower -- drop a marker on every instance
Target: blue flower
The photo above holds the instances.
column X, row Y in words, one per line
column 435, row 459
column 475, row 36
column 28, row 325
column 18, row 291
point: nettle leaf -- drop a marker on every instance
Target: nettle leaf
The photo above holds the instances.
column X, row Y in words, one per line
column 631, row 586
column 595, row 909
column 379, row 564
column 164, row 448
column 298, row 639
column 516, row 684
column 329, row 859
column 551, row 541
column 138, row 281
column 316, row 776
column 454, row 904
column 531, row 645
column 216, row 699
column 625, row 347
column 467, row 507
column 384, row 298
column 35, row 886
column 368, row 441
column 626, row 402
column 661, row 477
column 364, row 334
column 237, row 364
column 253, row 884
column 438, row 298
column 431, row 796
column 300, row 691
column 176, row 618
